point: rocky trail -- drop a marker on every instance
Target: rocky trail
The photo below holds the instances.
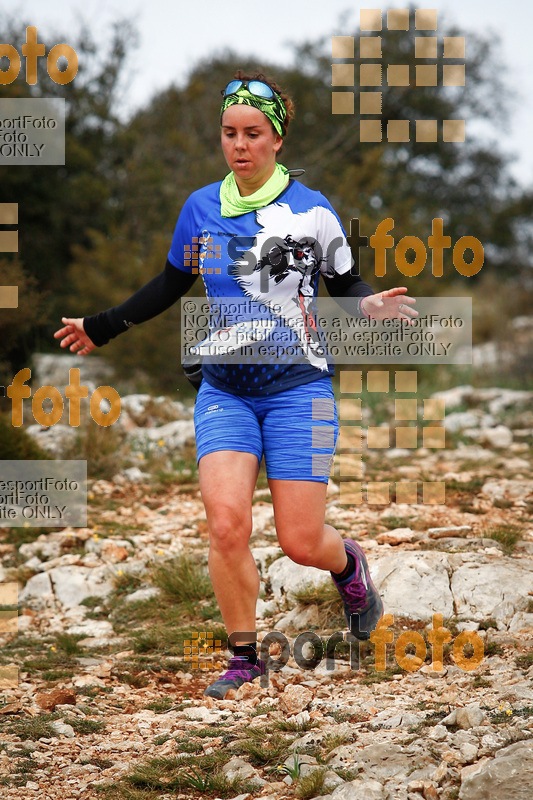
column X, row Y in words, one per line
column 108, row 703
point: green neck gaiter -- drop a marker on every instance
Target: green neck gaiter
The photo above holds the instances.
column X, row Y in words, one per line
column 233, row 203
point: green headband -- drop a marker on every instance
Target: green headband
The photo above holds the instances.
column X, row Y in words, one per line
column 273, row 109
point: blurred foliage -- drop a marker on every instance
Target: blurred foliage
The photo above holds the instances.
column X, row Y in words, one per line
column 18, row 324
column 95, row 230
column 101, row 447
column 15, row 444
column 58, row 205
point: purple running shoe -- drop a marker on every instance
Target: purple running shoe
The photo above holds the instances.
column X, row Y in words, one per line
column 363, row 606
column 240, row 670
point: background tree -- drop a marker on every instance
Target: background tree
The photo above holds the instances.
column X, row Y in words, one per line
column 58, row 205
column 95, row 230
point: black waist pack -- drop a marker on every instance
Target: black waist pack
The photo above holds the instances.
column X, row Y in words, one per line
column 192, row 367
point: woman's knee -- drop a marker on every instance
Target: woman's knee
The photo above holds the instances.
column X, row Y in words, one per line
column 229, row 528
column 301, row 548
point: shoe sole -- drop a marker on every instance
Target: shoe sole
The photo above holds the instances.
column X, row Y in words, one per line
column 216, row 694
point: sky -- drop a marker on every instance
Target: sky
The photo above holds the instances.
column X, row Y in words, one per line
column 174, row 35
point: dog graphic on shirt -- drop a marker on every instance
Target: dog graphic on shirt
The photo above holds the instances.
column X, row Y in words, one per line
column 284, row 277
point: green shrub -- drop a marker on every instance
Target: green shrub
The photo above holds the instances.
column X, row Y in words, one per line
column 16, row 445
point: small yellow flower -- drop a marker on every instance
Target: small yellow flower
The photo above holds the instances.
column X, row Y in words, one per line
column 141, row 455
column 90, row 496
column 160, row 552
column 508, row 711
column 501, row 707
column 119, row 572
column 53, row 648
column 161, row 442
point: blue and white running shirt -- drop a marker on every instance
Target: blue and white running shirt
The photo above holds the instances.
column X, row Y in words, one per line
column 271, row 258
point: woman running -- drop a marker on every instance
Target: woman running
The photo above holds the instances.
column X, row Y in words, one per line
column 263, row 237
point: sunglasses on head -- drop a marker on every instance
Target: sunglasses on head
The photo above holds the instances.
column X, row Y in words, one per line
column 258, row 88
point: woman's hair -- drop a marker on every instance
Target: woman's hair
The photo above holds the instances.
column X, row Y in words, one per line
column 287, row 102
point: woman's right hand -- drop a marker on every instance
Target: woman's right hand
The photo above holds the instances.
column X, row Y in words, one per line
column 73, row 334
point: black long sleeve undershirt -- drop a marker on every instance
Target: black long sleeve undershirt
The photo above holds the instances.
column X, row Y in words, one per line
column 162, row 291
column 150, row 300
column 348, row 286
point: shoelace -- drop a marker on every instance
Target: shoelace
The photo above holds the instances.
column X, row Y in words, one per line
column 239, row 668
column 355, row 593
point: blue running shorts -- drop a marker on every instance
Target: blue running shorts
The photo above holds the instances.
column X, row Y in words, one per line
column 295, row 429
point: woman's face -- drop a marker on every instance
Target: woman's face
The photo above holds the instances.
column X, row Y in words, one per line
column 250, row 144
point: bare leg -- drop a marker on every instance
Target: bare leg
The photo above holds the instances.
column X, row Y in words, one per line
column 227, row 481
column 299, row 513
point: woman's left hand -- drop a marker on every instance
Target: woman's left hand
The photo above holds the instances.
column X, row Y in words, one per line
column 390, row 304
